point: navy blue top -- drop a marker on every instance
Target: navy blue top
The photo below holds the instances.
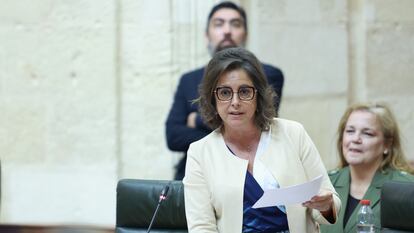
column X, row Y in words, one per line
column 265, row 220
column 179, row 136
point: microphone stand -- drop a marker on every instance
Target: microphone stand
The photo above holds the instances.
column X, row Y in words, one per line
column 163, row 196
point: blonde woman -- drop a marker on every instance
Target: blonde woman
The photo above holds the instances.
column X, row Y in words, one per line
column 370, row 153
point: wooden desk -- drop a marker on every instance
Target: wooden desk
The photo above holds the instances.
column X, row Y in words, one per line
column 5, row 228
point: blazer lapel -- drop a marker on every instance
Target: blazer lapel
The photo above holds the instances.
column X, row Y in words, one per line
column 272, row 159
column 373, row 194
column 341, row 186
column 277, row 158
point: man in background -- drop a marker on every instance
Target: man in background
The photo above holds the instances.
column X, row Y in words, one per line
column 226, row 27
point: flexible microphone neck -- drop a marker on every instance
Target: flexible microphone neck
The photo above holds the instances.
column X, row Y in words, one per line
column 163, row 196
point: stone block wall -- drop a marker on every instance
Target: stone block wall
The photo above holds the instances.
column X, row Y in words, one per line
column 86, row 86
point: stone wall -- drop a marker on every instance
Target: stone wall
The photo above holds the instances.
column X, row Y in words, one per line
column 85, row 87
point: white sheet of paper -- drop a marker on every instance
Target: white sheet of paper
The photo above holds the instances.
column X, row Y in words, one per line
column 290, row 195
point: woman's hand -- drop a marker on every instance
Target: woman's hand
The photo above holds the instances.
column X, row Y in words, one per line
column 324, row 203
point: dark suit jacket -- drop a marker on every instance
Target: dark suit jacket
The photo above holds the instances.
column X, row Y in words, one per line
column 179, row 136
column 341, row 181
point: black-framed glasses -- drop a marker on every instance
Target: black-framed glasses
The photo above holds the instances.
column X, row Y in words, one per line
column 244, row 93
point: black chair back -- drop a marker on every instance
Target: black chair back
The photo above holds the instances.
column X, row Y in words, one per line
column 397, row 207
column 136, row 203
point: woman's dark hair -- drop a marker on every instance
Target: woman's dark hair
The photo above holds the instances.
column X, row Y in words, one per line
column 234, row 59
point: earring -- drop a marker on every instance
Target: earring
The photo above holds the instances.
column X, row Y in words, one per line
column 385, row 151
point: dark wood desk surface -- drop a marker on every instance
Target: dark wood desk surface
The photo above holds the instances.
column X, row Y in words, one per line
column 5, row 228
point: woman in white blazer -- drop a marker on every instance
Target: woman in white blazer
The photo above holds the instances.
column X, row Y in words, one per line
column 250, row 151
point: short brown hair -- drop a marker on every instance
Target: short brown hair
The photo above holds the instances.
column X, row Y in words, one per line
column 395, row 157
column 228, row 60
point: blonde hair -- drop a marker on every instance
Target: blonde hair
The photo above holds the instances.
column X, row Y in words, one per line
column 395, row 157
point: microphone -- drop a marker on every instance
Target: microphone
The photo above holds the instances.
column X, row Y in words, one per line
column 163, row 196
column 164, row 193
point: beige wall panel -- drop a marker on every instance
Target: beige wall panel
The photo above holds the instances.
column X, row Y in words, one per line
column 309, row 43
column 313, row 59
column 320, row 116
column 146, row 58
column 296, row 11
column 398, row 11
column 22, row 133
column 58, row 112
column 390, row 60
column 58, row 194
column 189, row 44
column 404, row 112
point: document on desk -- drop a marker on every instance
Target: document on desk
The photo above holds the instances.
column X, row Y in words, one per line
column 290, row 195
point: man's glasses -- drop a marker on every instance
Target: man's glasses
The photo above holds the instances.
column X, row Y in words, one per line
column 226, row 93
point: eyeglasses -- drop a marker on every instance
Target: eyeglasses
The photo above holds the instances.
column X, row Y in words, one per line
column 226, row 93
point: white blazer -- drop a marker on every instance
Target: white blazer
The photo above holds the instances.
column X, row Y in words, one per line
column 214, row 179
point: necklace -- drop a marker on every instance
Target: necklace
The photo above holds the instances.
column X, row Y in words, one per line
column 249, row 148
column 243, row 147
column 242, row 142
